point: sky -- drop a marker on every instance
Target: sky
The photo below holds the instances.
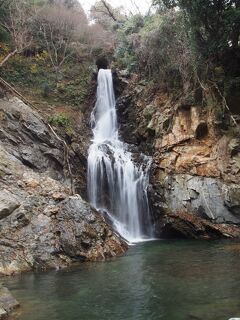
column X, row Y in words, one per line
column 143, row 5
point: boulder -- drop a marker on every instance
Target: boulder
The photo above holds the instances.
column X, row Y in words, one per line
column 3, row 313
column 232, row 200
column 74, row 233
column 7, row 301
column 46, row 227
column 8, row 203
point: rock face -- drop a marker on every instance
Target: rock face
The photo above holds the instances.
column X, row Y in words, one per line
column 27, row 137
column 7, row 302
column 41, row 225
column 24, row 135
column 195, row 174
column 206, row 197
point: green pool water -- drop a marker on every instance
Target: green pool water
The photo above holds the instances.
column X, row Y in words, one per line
column 168, row 280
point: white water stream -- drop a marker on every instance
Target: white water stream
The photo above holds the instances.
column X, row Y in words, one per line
column 116, row 184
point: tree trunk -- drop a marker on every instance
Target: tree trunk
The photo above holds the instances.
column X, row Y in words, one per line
column 8, row 57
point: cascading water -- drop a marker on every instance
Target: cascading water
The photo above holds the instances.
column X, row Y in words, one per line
column 116, row 184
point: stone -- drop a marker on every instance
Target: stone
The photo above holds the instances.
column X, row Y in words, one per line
column 3, row 313
column 32, row 183
column 232, row 199
column 7, row 301
column 8, row 203
column 234, row 147
column 59, row 196
column 53, row 236
column 187, row 226
column 202, row 194
column 26, row 136
column 196, row 168
column 51, row 211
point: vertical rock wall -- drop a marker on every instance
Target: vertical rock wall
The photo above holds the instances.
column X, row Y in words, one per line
column 196, row 164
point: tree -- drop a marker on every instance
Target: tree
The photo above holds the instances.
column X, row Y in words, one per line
column 163, row 49
column 17, row 23
column 214, row 25
column 57, row 25
column 105, row 15
column 100, row 41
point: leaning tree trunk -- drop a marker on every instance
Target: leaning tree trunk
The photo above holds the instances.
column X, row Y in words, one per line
column 8, row 57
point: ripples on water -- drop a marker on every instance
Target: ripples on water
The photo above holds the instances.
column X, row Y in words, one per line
column 166, row 280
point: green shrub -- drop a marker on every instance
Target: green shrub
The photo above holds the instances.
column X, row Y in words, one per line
column 60, row 119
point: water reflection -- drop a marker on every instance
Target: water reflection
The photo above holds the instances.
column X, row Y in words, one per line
column 159, row 280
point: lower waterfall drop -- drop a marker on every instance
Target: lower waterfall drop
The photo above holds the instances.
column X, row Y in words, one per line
column 116, row 184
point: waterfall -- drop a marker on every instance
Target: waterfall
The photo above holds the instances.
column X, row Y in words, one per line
column 116, row 184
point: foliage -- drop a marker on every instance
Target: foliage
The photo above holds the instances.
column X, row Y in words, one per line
column 33, row 74
column 170, row 60
column 213, row 26
column 128, row 35
column 105, row 15
column 158, row 46
column 15, row 21
column 60, row 119
column 56, row 26
column 62, row 41
column 183, row 43
column 75, row 90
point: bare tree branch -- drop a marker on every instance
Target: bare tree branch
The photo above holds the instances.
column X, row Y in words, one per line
column 136, row 6
column 16, row 22
column 57, row 25
column 110, row 12
column 8, row 57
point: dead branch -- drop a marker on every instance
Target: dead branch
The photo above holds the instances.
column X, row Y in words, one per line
column 8, row 57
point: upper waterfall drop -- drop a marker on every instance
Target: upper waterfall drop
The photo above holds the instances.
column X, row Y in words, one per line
column 116, row 184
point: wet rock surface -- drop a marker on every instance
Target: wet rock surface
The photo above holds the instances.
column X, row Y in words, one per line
column 41, row 224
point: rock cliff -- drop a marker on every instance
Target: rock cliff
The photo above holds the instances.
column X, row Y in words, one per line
column 195, row 178
column 42, row 225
